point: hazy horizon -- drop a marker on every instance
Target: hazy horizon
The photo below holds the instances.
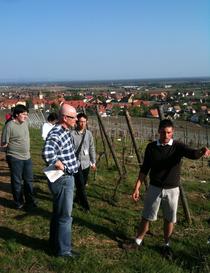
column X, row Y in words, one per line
column 110, row 81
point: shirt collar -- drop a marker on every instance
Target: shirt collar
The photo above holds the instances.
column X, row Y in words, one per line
column 169, row 143
column 80, row 132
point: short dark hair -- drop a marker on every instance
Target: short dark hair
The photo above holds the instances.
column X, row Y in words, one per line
column 52, row 117
column 18, row 109
column 165, row 123
column 82, row 115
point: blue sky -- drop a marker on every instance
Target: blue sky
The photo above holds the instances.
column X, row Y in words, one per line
column 103, row 39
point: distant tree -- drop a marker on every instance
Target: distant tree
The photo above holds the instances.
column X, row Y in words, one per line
column 197, row 107
column 185, row 116
column 74, row 97
column 144, row 110
column 137, row 111
column 101, row 98
column 142, row 96
column 55, row 107
column 202, row 118
column 90, row 111
column 116, row 110
column 29, row 103
column 208, row 100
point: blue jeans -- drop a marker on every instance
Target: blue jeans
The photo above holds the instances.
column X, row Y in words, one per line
column 21, row 171
column 61, row 221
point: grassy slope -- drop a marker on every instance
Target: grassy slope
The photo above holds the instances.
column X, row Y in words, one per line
column 24, row 237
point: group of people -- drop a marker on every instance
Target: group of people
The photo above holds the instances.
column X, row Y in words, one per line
column 69, row 147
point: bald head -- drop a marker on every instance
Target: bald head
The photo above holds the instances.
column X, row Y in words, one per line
column 68, row 115
column 67, row 109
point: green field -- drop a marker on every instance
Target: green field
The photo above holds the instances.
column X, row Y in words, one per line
column 99, row 234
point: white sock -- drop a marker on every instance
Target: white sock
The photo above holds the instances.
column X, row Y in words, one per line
column 138, row 241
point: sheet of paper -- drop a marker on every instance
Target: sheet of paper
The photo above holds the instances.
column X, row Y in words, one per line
column 52, row 173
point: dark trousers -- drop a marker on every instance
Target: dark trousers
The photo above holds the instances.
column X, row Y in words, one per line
column 80, row 182
column 21, row 173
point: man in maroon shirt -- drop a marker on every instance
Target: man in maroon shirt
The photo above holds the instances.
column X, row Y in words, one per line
column 163, row 160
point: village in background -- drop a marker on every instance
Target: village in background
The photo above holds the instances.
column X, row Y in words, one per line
column 182, row 99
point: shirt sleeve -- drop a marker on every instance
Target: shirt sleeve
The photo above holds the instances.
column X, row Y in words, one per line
column 51, row 148
column 92, row 150
column 44, row 135
column 190, row 153
column 5, row 137
column 146, row 166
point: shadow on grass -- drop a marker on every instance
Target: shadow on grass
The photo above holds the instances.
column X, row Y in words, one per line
column 100, row 229
column 5, row 173
column 6, row 187
column 10, row 203
column 100, row 193
column 43, row 195
column 38, row 177
column 35, row 211
column 103, row 198
column 195, row 256
column 192, row 260
column 25, row 240
column 6, row 203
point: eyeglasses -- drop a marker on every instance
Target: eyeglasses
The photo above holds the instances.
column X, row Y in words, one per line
column 70, row 117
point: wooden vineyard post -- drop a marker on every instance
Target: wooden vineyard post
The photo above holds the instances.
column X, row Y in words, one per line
column 111, row 150
column 109, row 143
column 130, row 128
column 182, row 193
column 185, row 204
column 104, row 145
column 161, row 112
column 123, row 161
column 207, row 138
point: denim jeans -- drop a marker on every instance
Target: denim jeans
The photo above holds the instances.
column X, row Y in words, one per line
column 21, row 173
column 61, row 221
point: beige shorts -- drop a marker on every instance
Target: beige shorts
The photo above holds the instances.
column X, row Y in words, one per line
column 167, row 198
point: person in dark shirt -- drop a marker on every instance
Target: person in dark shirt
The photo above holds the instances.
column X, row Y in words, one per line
column 162, row 160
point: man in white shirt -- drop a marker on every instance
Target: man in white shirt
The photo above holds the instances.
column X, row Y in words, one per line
column 47, row 126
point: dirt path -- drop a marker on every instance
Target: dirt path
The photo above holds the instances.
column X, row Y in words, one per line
column 5, row 192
